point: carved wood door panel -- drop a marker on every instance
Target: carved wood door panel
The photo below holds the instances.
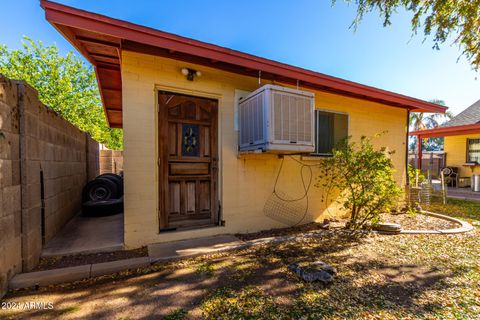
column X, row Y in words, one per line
column 188, row 161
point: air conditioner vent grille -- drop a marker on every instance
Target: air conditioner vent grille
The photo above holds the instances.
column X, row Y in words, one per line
column 277, row 118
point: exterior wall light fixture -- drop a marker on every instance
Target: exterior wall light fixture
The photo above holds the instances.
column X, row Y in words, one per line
column 190, row 73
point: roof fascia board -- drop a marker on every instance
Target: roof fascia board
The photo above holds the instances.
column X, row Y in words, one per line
column 447, row 131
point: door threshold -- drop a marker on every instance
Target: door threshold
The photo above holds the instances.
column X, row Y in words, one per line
column 179, row 229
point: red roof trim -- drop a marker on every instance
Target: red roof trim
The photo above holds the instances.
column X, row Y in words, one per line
column 448, row 131
column 61, row 15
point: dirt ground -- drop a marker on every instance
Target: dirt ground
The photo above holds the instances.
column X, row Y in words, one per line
column 379, row 277
column 48, row 263
column 370, row 280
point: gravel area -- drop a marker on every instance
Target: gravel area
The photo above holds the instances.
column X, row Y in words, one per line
column 419, row 221
column 280, row 232
column 49, row 263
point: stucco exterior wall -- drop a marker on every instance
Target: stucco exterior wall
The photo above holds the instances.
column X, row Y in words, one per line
column 246, row 181
column 455, row 148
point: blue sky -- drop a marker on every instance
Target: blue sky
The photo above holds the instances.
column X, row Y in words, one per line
column 305, row 33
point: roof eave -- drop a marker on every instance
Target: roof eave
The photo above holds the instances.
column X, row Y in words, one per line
column 448, row 131
column 64, row 16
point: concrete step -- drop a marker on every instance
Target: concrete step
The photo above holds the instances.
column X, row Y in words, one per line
column 157, row 253
column 193, row 247
column 71, row 274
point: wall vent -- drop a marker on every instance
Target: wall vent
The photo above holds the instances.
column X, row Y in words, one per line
column 277, row 119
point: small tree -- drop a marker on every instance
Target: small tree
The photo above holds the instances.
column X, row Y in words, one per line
column 364, row 177
column 64, row 83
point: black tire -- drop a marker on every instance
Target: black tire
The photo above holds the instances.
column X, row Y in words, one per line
column 100, row 189
column 115, row 178
column 102, row 208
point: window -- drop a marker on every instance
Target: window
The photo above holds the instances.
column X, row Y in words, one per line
column 330, row 128
column 473, row 150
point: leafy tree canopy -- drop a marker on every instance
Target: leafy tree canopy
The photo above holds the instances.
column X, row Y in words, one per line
column 443, row 19
column 64, row 83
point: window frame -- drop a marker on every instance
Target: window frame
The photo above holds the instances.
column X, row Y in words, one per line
column 327, row 155
column 468, row 149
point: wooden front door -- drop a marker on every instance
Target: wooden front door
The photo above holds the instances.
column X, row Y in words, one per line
column 188, row 161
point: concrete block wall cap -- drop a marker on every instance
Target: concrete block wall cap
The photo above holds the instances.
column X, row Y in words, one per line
column 463, row 226
column 49, row 277
column 72, row 274
column 100, row 269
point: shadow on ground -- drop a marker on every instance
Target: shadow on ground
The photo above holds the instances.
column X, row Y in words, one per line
column 252, row 282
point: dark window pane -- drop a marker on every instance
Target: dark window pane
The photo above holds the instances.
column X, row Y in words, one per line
column 190, row 140
column 324, row 132
column 330, row 128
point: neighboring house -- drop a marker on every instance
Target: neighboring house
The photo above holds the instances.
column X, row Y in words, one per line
column 462, row 140
column 143, row 72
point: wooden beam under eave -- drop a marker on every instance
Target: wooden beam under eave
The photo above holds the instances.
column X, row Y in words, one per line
column 97, row 41
column 101, row 55
column 70, row 36
column 108, row 89
column 116, row 125
column 114, row 117
column 107, row 65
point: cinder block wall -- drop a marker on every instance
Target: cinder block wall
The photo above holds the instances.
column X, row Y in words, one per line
column 111, row 161
column 10, row 185
column 46, row 161
column 93, row 164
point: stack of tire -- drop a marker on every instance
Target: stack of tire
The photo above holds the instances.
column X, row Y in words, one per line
column 103, row 196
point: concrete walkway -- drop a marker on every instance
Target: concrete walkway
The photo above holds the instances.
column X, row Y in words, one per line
column 458, row 193
column 463, row 194
column 193, row 247
column 87, row 235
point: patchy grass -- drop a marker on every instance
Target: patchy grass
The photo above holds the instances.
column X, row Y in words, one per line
column 205, row 268
column 467, row 210
column 249, row 303
column 379, row 277
column 178, row 314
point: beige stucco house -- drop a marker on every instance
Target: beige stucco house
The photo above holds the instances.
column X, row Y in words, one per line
column 163, row 88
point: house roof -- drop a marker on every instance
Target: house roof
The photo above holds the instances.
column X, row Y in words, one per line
column 471, row 115
column 101, row 39
column 448, row 131
column 466, row 122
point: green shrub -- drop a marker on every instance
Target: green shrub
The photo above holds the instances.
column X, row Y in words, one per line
column 364, row 177
column 412, row 175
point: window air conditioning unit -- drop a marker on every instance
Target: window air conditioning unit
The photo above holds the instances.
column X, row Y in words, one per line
column 277, row 119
